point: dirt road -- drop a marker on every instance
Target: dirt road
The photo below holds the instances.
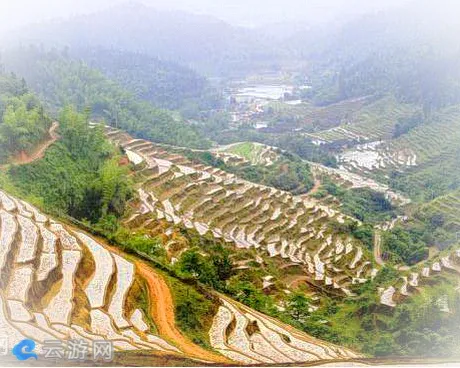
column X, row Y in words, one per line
column 377, row 248
column 162, row 310
column 315, row 188
column 39, row 152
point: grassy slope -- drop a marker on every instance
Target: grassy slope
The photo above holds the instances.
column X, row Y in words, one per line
column 248, row 150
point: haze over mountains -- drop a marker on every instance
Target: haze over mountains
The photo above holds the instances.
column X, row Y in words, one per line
column 215, row 47
column 252, row 13
column 202, row 41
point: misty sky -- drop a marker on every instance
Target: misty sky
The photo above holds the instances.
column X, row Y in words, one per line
column 15, row 13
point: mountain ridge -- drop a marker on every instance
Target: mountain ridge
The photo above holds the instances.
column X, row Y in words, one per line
column 167, row 35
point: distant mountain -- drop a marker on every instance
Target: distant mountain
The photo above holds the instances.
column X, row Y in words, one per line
column 200, row 41
column 283, row 30
column 389, row 52
column 352, row 40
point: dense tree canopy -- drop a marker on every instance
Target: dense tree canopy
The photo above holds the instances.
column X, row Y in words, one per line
column 23, row 121
column 79, row 175
column 163, row 83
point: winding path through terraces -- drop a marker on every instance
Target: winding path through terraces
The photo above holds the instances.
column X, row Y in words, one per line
column 39, row 152
column 377, row 248
column 162, row 311
column 315, row 188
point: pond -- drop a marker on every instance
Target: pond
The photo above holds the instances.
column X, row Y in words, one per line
column 266, row 92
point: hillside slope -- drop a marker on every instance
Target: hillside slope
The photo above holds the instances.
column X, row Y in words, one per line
column 58, row 282
column 164, row 84
column 23, row 121
column 60, row 81
column 274, row 222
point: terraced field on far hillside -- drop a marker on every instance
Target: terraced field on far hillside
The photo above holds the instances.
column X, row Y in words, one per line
column 447, row 208
column 431, row 142
column 373, row 121
column 307, row 116
column 249, row 216
column 293, row 229
column 248, row 152
column 434, row 139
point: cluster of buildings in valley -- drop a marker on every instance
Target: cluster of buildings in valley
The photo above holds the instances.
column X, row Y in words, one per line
column 247, row 103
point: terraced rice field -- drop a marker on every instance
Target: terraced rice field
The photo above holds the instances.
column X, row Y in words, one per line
column 441, row 174
column 375, row 156
column 60, row 283
column 449, row 207
column 309, row 116
column 431, row 141
column 248, row 152
column 250, row 337
column 413, row 280
column 276, row 224
column 425, row 144
column 247, row 215
column 354, row 180
column 374, row 121
column 49, row 292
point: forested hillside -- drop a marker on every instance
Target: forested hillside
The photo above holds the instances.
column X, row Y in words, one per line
column 165, row 84
column 23, row 121
column 79, row 176
column 61, row 80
